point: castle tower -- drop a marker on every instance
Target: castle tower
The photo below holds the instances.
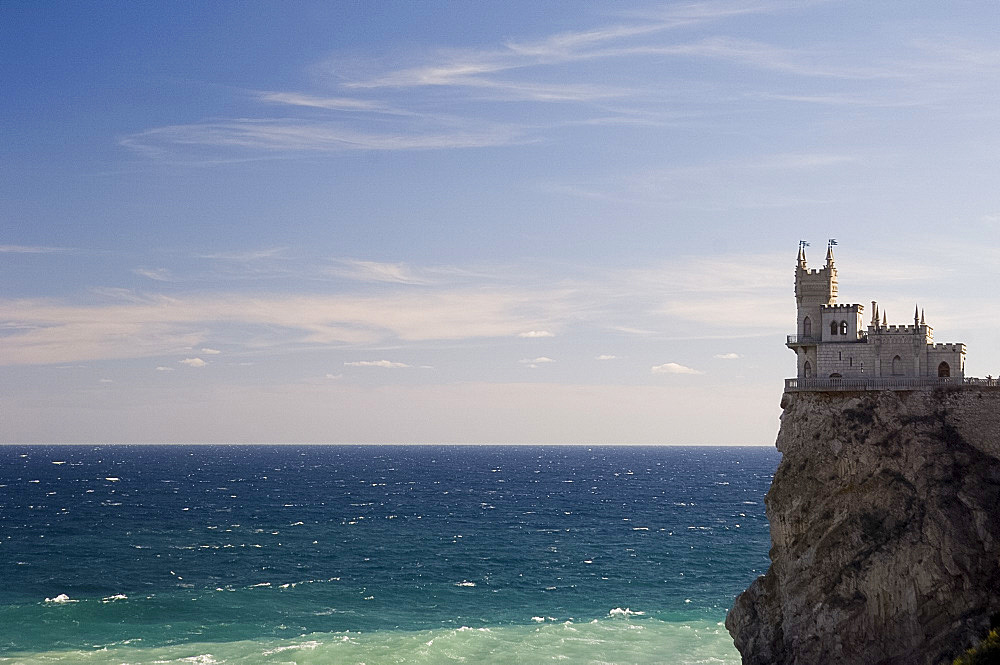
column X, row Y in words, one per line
column 813, row 290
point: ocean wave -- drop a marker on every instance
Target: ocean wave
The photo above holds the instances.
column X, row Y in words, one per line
column 607, row 641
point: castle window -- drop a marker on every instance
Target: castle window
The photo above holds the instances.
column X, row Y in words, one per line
column 807, row 327
column 807, row 370
column 835, row 375
column 840, row 355
column 944, row 370
column 833, row 327
column 843, row 327
column 897, row 366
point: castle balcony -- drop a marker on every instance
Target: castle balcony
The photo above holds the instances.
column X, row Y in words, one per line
column 801, row 340
column 888, row 383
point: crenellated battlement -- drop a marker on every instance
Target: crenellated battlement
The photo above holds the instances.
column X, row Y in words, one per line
column 948, row 347
column 844, row 308
column 898, row 330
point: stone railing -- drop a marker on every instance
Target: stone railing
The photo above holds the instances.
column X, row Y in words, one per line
column 888, row 383
column 791, row 340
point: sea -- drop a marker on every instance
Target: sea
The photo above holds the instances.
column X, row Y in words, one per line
column 330, row 554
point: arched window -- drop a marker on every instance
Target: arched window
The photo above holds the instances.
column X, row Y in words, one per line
column 807, row 327
column 833, row 327
column 807, row 370
column 843, row 327
column 944, row 370
column 835, row 375
column 897, row 366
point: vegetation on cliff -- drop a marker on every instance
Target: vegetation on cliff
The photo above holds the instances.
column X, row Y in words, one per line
column 986, row 652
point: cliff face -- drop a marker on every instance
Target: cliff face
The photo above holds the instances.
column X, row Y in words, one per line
column 885, row 531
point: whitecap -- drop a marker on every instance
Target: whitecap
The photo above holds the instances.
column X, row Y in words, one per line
column 61, row 598
column 624, row 612
column 465, row 583
column 117, row 596
column 113, row 479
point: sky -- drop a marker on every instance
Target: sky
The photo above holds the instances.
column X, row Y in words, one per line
column 474, row 222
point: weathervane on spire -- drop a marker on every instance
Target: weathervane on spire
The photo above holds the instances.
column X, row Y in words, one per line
column 803, row 244
column 831, row 242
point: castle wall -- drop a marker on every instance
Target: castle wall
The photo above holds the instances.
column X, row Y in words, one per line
column 837, row 314
column 849, row 360
column 953, row 354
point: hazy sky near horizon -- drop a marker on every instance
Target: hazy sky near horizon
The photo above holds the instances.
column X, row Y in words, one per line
column 497, row 222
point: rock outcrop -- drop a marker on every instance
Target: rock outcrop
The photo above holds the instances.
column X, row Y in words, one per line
column 885, row 531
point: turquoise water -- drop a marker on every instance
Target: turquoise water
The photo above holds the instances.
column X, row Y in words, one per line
column 377, row 554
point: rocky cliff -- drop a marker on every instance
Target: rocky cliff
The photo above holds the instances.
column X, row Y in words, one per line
column 885, row 531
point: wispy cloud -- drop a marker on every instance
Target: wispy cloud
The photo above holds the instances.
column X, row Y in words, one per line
column 674, row 368
column 536, row 333
column 290, row 136
column 375, row 271
column 193, row 362
column 247, row 256
column 42, row 331
column 533, row 71
column 727, row 356
column 33, row 249
column 327, row 103
column 156, row 274
column 385, row 364
column 606, row 356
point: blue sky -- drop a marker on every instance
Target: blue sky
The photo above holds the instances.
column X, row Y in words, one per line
column 474, row 222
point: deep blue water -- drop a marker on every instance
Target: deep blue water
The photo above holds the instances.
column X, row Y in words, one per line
column 376, row 554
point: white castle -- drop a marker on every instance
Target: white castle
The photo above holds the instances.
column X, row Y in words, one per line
column 833, row 347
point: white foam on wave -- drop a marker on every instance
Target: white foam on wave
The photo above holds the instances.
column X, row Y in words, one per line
column 465, row 583
column 605, row 641
column 61, row 598
column 312, row 644
column 117, row 596
column 624, row 612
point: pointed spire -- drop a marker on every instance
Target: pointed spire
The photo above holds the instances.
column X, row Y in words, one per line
column 802, row 254
column 916, row 316
column 884, row 320
column 829, row 253
column 922, row 322
column 874, row 314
